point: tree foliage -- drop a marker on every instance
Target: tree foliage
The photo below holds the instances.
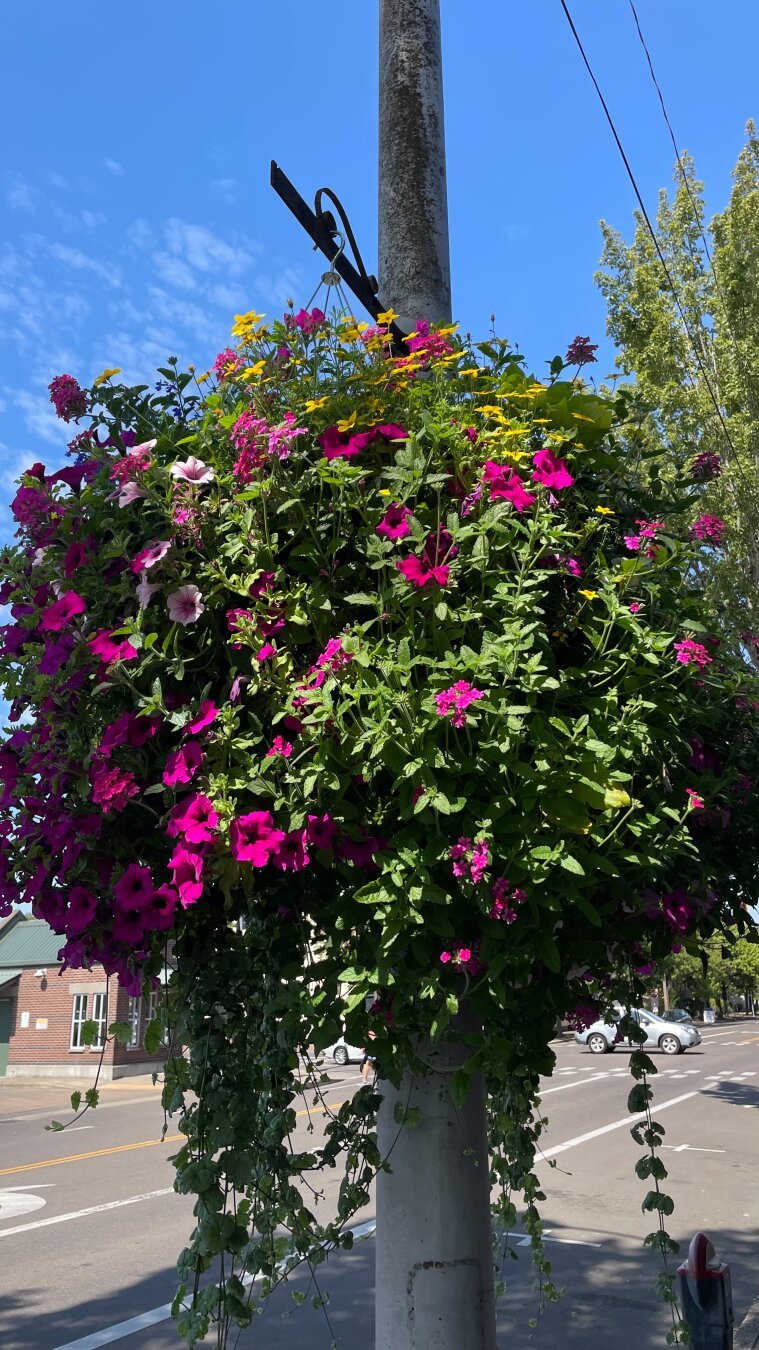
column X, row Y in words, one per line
column 695, row 360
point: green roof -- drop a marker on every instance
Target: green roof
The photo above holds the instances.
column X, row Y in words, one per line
column 8, row 976
column 30, row 942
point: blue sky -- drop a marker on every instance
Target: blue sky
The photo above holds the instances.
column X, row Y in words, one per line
column 137, row 215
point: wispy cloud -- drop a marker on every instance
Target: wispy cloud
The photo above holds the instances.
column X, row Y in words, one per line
column 19, row 193
column 81, row 262
column 113, row 166
column 226, row 188
column 205, row 251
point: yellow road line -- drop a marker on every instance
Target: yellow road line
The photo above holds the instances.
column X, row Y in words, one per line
column 119, row 1148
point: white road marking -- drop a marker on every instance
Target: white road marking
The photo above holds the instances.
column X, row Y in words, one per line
column 74, row 1129
column 615, row 1125
column 120, row 1330
column 18, row 1200
column 569, row 1242
column 84, row 1213
column 579, row 1082
column 691, row 1148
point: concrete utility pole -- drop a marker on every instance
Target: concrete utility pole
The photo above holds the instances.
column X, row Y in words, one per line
column 414, row 266
column 434, row 1261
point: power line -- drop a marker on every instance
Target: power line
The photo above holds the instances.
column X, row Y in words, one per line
column 652, row 232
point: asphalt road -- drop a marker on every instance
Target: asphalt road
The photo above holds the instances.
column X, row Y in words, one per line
column 84, row 1215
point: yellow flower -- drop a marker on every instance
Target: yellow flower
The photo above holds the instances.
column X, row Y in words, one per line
column 312, row 404
column 106, row 375
column 384, row 492
column 252, row 372
column 445, row 332
column 590, row 595
column 244, row 322
column 387, row 316
column 471, row 370
column 201, row 379
column 604, row 511
column 345, row 423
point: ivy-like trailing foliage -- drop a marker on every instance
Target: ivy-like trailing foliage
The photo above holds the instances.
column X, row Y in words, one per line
column 361, row 685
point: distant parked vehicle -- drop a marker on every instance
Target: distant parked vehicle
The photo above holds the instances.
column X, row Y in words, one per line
column 670, row 1037
column 343, row 1053
column 677, row 1015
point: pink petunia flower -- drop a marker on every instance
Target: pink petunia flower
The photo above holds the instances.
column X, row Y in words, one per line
column 418, row 572
column 186, row 864
column 193, row 471
column 148, row 557
column 394, row 524
column 103, row 645
column 129, row 493
column 292, row 852
column 134, row 888
column 551, row 471
column 185, row 605
column 145, row 589
column 321, row 831
column 195, row 820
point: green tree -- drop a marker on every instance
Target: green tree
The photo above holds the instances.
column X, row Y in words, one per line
column 695, row 360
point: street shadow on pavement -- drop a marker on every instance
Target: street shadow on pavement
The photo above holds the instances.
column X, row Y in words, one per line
column 610, row 1300
column 738, row 1094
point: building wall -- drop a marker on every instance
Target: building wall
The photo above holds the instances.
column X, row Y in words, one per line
column 41, row 1028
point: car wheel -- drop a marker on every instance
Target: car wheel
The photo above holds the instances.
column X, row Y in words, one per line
column 670, row 1045
column 597, row 1043
column 340, row 1055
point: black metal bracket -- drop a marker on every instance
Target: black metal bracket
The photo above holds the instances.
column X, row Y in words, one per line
column 321, row 227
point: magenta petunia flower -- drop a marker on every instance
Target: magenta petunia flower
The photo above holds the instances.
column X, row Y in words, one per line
column 551, row 471
column 185, row 605
column 504, row 484
column 193, row 471
column 321, row 831
column 186, row 864
column 342, row 445
column 394, row 523
column 207, row 713
column 253, row 838
column 134, row 888
column 62, row 612
column 291, row 854
column 183, row 764
column 418, row 573
column 148, row 557
column 56, row 654
column 82, row 908
column 194, row 820
column 103, row 645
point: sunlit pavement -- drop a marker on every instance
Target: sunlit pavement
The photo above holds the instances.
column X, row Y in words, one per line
column 90, row 1227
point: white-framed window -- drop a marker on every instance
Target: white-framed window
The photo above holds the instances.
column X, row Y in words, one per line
column 78, row 1019
column 154, row 1000
column 99, row 1015
column 134, row 1015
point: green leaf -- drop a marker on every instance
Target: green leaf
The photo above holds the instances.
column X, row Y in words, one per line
column 153, row 1036
column 76, row 1101
column 570, row 864
column 121, row 1031
column 89, row 1032
column 616, row 797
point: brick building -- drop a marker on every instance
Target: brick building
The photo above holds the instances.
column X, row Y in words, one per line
column 42, row 1011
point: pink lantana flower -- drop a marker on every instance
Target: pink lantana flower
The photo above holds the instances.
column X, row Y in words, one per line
column 551, row 471
column 635, row 607
column 253, row 838
column 112, row 789
column 690, row 652
column 394, row 524
column 183, row 764
column 62, row 612
column 192, row 470
column 695, row 802
column 454, row 701
column 185, row 605
column 504, row 483
column 148, row 557
column 709, row 530
column 280, row 747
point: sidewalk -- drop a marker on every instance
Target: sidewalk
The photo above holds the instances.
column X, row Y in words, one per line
column 21, row 1095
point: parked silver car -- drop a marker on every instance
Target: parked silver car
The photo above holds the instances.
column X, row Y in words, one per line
column 671, row 1037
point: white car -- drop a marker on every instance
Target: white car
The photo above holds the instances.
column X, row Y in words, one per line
column 670, row 1037
column 343, row 1053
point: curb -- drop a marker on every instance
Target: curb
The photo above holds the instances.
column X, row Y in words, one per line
column 747, row 1335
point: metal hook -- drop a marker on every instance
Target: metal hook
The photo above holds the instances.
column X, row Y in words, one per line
column 329, row 221
column 332, row 278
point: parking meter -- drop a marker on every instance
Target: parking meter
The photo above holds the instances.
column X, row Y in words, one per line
column 706, row 1296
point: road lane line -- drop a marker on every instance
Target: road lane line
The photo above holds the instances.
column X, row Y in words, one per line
column 656, row 1107
column 124, row 1148
column 578, row 1082
column 82, row 1213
